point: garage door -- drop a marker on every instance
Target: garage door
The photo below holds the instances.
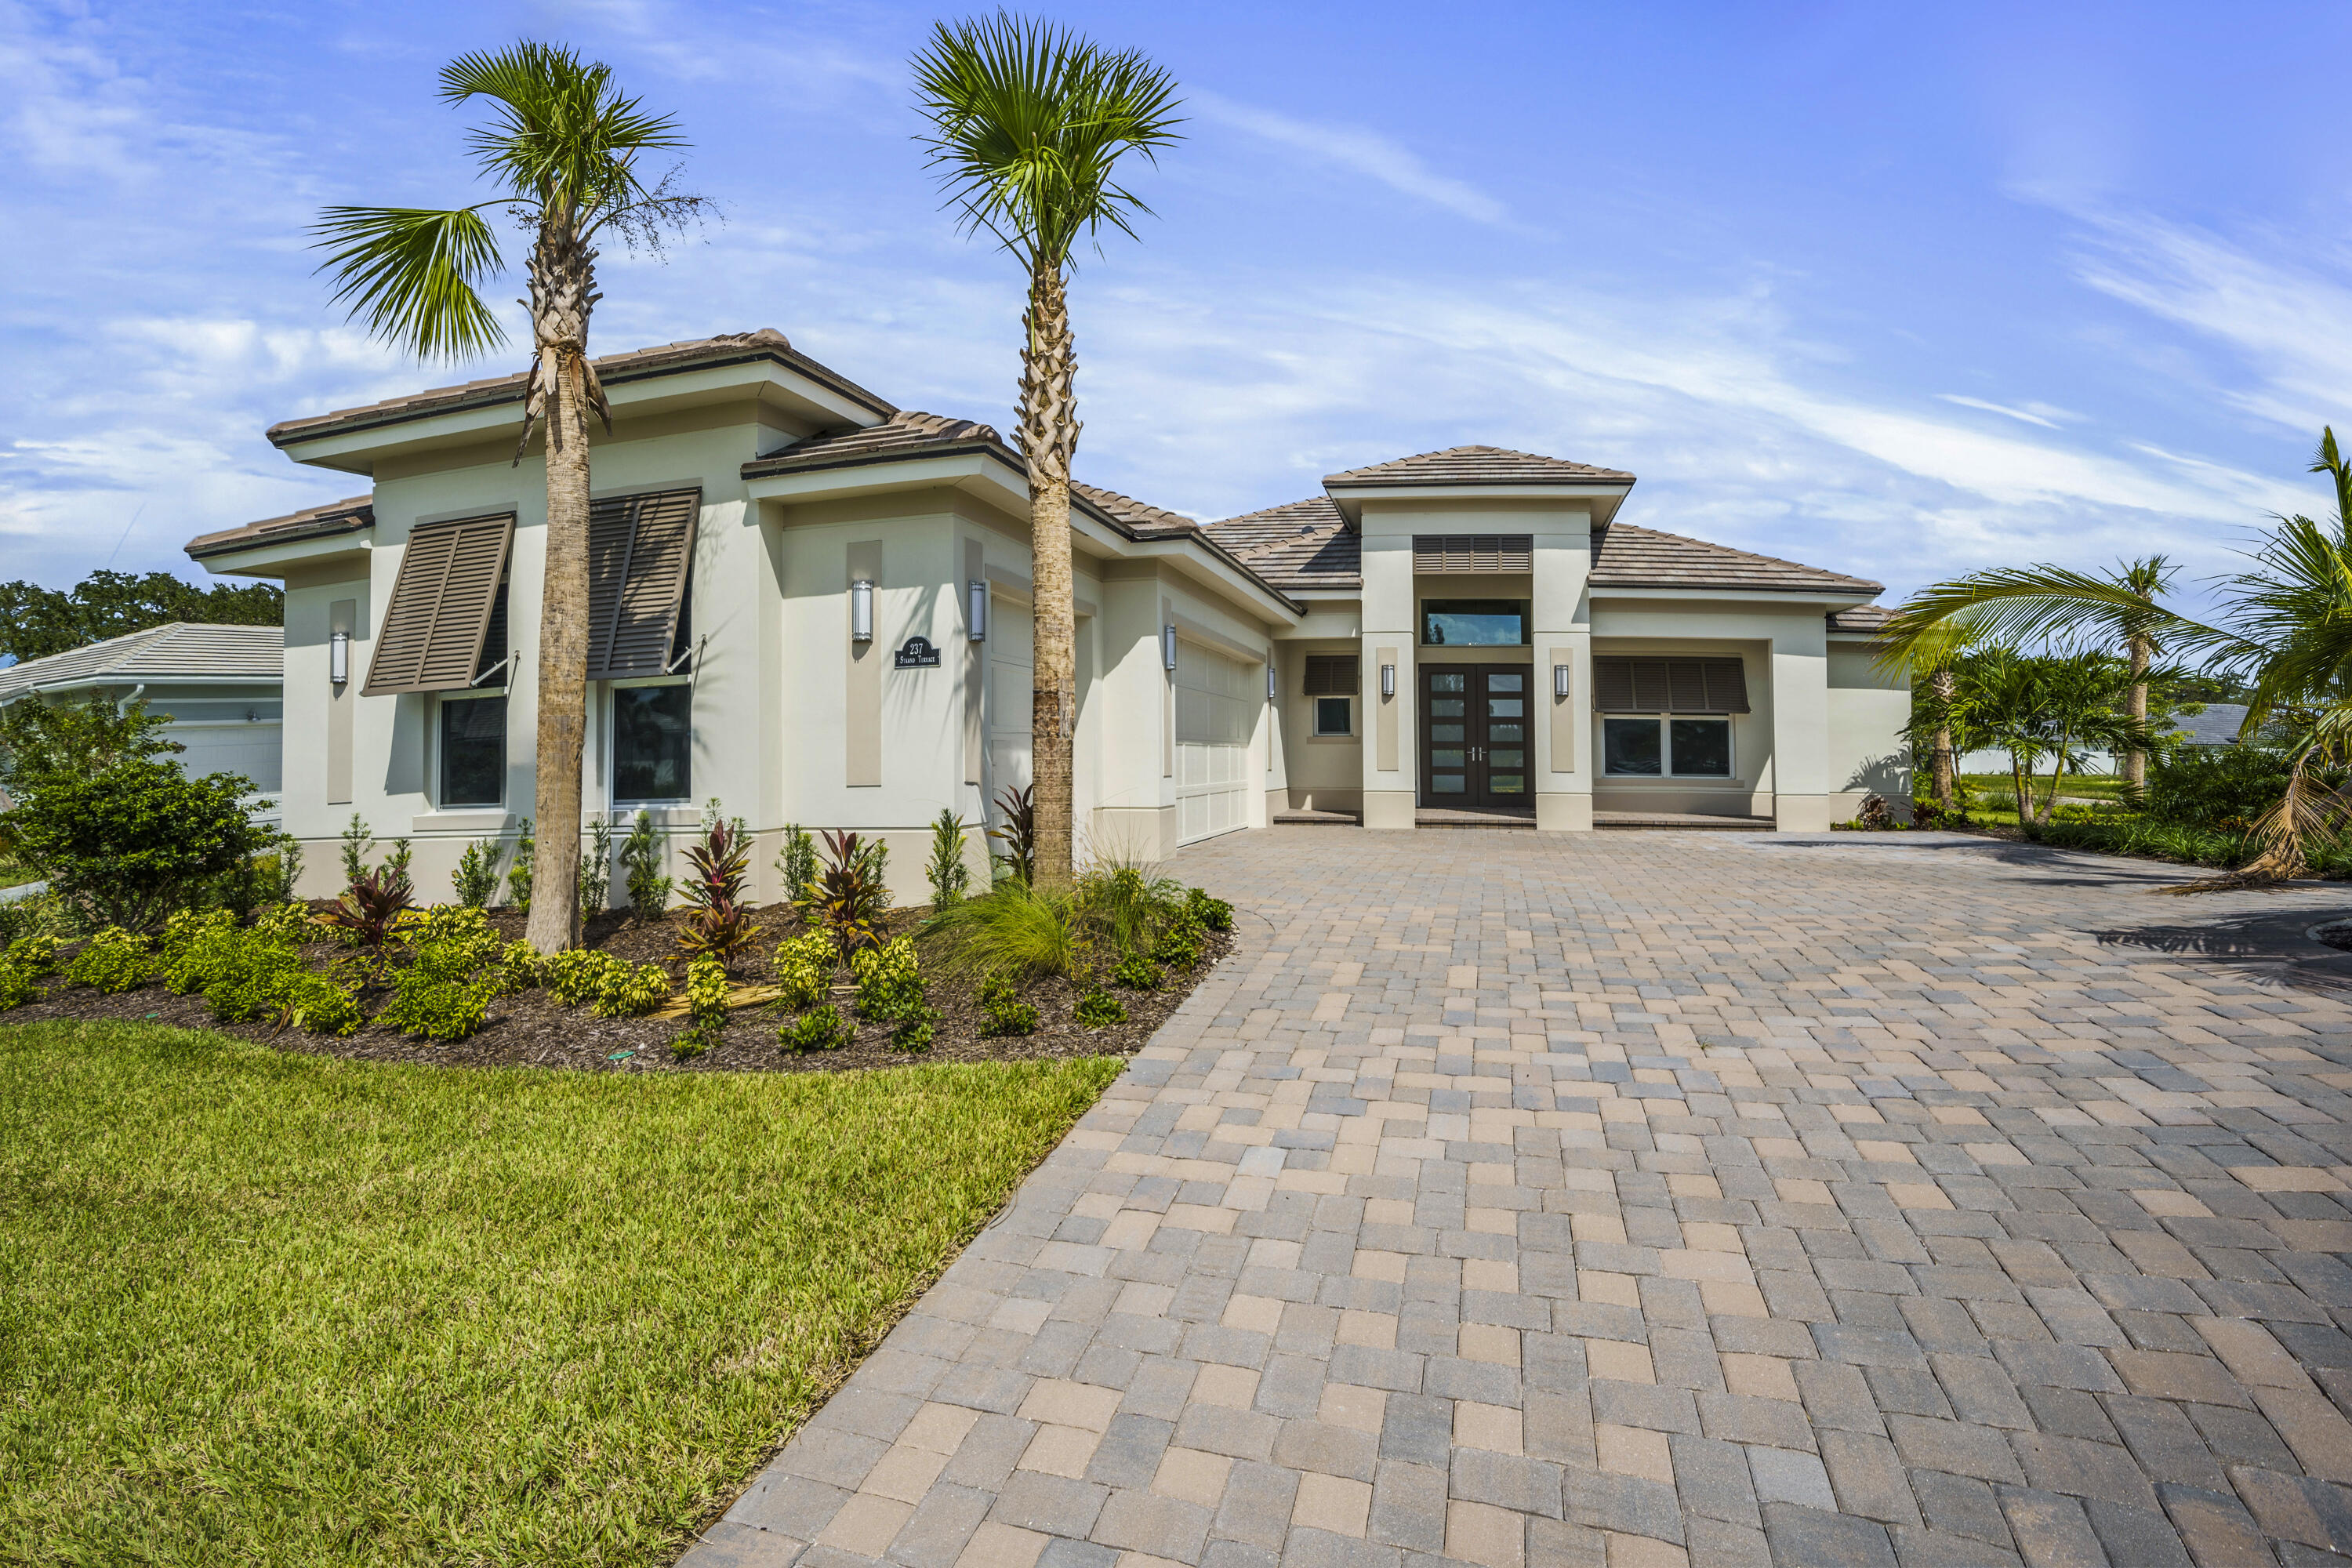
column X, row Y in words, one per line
column 1215, row 714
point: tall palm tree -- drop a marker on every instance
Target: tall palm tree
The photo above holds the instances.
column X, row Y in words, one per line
column 2023, row 605
column 1028, row 122
column 563, row 145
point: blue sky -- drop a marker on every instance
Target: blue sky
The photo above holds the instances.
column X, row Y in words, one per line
column 1899, row 290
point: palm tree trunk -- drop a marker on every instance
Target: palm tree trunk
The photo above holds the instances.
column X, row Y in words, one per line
column 563, row 286
column 2135, row 761
column 1049, row 440
column 1945, row 683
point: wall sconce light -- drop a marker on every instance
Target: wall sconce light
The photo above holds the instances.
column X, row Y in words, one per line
column 861, row 611
column 1387, row 681
column 977, row 618
column 1167, row 646
column 1559, row 681
column 1273, row 681
column 339, row 657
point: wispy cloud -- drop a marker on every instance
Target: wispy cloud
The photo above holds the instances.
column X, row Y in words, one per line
column 1366, row 153
column 2025, row 416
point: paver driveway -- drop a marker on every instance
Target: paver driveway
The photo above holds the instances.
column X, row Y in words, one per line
column 1635, row 1200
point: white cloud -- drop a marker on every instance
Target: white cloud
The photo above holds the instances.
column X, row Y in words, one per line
column 2026, row 416
column 1366, row 153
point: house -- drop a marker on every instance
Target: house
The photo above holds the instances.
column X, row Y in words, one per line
column 814, row 606
column 219, row 687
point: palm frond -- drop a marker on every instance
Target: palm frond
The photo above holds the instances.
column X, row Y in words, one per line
column 561, row 134
column 1028, row 122
column 412, row 273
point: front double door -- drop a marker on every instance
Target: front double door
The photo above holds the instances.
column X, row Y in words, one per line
column 1475, row 751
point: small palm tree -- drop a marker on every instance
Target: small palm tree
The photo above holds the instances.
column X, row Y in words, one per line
column 2123, row 607
column 564, row 144
column 1028, row 123
column 2050, row 709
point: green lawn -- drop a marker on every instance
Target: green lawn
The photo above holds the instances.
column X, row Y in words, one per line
column 273, row 1308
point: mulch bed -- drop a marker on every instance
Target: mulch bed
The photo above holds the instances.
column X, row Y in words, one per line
column 531, row 1028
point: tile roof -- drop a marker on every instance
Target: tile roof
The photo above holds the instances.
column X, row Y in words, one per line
column 905, row 434
column 1860, row 618
column 1150, row 521
column 179, row 650
column 349, row 515
column 1629, row 557
column 1302, row 544
column 727, row 348
column 1476, row 465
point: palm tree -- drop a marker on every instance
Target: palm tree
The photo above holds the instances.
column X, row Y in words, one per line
column 2025, row 604
column 2045, row 709
column 1028, row 122
column 563, row 145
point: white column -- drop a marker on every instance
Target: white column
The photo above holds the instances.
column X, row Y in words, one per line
column 1561, row 634
column 1391, row 778
column 1801, row 727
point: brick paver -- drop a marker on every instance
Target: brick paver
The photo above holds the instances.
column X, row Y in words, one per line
column 1626, row 1200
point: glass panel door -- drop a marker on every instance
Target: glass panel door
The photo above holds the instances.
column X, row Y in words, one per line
column 1505, row 749
column 1474, row 740
column 1447, row 730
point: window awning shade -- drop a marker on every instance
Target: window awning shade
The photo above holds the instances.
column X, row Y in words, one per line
column 432, row 635
column 640, row 553
column 1622, row 685
column 1331, row 674
column 1473, row 553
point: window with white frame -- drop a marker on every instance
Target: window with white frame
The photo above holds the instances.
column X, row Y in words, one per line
column 1331, row 680
column 653, row 743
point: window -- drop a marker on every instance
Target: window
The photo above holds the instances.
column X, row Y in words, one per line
column 473, row 751
column 1669, row 747
column 1334, row 716
column 1474, row 623
column 652, row 743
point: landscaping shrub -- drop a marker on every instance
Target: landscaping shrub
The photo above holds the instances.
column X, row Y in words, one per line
column 641, row 863
column 35, row 954
column 460, row 937
column 1137, row 972
column 717, row 924
column 796, row 863
column 818, row 1029
column 476, row 880
column 43, row 913
column 2219, row 786
column 200, row 949
column 706, row 1008
column 890, row 990
column 365, row 916
column 804, row 967
column 1179, row 946
column 436, row 1009
column 612, row 987
column 133, row 843
column 1019, row 835
column 1098, row 1009
column 595, row 880
column 519, row 869
column 1002, row 1011
column 1124, row 907
column 1013, row 929
column 357, row 842
column 287, row 922
column 852, row 898
column 1216, row 914
column 18, row 985
column 114, row 961
column 575, row 974
column 949, row 875
column 453, row 975
column 521, row 964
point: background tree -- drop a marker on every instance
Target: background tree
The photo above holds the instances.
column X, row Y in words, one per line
column 36, row 622
column 1028, row 122
column 2045, row 707
column 563, row 144
column 2024, row 606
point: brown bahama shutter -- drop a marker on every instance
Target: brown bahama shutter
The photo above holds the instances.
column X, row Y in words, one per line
column 640, row 551
column 1331, row 674
column 1622, row 685
column 432, row 635
column 1473, row 553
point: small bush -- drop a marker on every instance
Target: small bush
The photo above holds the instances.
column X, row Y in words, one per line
column 475, row 879
column 851, row 898
column 202, row 949
column 459, row 936
column 949, row 875
column 631, row 989
column 435, row 1008
column 316, row 1003
column 888, row 982
column 1099, row 1010
column 804, row 969
column 523, row 967
column 818, row 1029
column 593, row 883
column 1002, row 1011
column 43, row 914
column 114, row 961
column 18, row 985
column 1179, row 946
column 641, row 867
column 1137, row 972
column 289, row 924
column 706, row 992
column 796, row 864
column 1013, row 929
column 1215, row 914
column 576, row 974
column 691, row 1042
column 35, row 954
column 519, row 869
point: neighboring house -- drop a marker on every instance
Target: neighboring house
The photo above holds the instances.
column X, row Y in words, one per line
column 815, row 607
column 219, row 686
column 2216, row 724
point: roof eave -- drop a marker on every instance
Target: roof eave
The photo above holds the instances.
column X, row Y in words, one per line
column 1605, row 495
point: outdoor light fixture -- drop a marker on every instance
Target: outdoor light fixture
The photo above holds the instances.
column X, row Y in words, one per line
column 1387, row 681
column 1167, row 646
column 339, row 657
column 1559, row 681
column 978, row 619
column 861, row 611
column 1272, row 687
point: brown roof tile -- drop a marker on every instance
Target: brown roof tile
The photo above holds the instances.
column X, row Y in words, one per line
column 1302, row 544
column 1861, row 618
column 1140, row 515
column 1475, row 465
column 346, row 516
column 662, row 359
column 905, row 434
column 1629, row 557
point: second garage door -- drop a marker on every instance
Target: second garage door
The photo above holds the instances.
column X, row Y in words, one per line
column 1214, row 715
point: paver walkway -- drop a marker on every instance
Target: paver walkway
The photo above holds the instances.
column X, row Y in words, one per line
column 1639, row 1201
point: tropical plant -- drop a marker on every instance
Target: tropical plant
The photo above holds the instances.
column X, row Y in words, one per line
column 717, row 924
column 476, row 880
column 803, row 969
column 851, row 901
column 818, row 1029
column 949, row 875
column 596, row 868
column 1098, row 1009
column 563, row 147
column 890, row 990
column 357, row 842
column 1019, row 834
column 1012, row 929
column 641, row 862
column 115, row 959
column 1002, row 1010
column 366, row 913
column 2045, row 707
column 1027, row 123
column 521, row 871
column 796, row 864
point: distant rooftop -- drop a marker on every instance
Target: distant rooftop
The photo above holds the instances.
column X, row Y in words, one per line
column 181, row 650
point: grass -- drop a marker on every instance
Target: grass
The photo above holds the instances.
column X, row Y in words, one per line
column 273, row 1308
column 15, row 876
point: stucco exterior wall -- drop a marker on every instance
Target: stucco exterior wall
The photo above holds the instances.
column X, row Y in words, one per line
column 1868, row 707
